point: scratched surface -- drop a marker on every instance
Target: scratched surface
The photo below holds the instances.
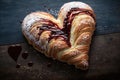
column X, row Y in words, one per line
column 13, row 12
column 104, row 63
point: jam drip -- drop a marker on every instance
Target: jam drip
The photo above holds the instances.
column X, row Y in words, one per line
column 65, row 32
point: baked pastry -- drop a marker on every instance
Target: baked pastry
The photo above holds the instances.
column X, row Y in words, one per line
column 66, row 38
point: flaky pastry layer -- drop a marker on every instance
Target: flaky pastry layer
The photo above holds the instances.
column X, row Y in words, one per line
column 66, row 38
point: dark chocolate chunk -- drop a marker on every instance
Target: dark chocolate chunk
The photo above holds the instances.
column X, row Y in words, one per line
column 18, row 65
column 14, row 52
column 25, row 55
column 30, row 64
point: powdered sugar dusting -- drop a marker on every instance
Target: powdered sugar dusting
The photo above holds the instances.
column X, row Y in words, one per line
column 29, row 20
column 27, row 23
column 67, row 6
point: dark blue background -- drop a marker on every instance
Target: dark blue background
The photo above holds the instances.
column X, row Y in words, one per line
column 12, row 12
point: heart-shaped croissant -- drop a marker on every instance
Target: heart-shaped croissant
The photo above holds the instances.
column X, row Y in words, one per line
column 66, row 38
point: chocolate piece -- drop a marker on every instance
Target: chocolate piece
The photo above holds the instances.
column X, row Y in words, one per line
column 25, row 55
column 30, row 64
column 14, row 52
column 49, row 64
column 18, row 65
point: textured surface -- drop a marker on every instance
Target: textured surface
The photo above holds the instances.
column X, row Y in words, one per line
column 12, row 13
column 104, row 63
column 46, row 35
column 104, row 54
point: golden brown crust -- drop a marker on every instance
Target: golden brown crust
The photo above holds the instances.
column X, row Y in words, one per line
column 49, row 36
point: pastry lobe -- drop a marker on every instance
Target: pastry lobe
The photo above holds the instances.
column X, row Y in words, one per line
column 66, row 38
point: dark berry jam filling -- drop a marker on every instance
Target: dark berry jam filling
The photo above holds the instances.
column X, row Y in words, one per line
column 65, row 32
